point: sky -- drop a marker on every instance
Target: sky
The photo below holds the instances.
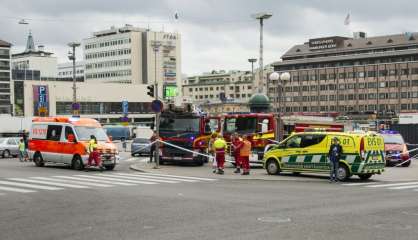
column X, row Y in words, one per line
column 216, row 34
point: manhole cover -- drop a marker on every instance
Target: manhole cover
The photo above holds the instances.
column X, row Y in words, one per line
column 274, row 219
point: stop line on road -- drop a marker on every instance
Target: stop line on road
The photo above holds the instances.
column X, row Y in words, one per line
column 413, row 185
column 87, row 181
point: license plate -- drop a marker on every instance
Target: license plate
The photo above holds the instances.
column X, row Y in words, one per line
column 177, row 158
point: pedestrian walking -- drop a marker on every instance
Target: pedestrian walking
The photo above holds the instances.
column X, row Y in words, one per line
column 152, row 147
column 219, row 147
column 237, row 143
column 26, row 142
column 245, row 152
column 123, row 140
column 94, row 153
column 334, row 155
column 22, row 151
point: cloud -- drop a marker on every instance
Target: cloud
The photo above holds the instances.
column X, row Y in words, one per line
column 216, row 34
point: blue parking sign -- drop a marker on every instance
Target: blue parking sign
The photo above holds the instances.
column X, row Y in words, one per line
column 125, row 107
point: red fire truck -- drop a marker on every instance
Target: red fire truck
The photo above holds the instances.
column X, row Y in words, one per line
column 188, row 130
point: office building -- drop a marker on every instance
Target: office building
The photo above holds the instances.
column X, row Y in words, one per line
column 133, row 55
column 5, row 98
column 65, row 71
column 349, row 75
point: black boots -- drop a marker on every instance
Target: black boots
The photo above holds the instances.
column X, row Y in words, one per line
column 238, row 170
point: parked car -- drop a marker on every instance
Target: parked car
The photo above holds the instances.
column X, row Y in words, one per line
column 118, row 132
column 395, row 148
column 140, row 146
column 9, row 147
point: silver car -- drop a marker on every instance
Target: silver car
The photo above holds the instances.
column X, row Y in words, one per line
column 9, row 147
column 140, row 146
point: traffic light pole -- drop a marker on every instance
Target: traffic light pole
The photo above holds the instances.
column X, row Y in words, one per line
column 156, row 46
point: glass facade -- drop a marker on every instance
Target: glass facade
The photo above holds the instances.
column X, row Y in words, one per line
column 89, row 108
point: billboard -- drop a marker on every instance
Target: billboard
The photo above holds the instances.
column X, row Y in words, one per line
column 170, row 91
column 40, row 100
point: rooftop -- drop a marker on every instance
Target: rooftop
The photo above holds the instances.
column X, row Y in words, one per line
column 5, row 44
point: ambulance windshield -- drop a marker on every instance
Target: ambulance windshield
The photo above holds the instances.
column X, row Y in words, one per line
column 84, row 133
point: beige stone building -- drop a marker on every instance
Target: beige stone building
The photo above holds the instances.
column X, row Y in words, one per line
column 350, row 75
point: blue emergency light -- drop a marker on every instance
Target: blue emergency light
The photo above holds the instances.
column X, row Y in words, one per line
column 389, row 132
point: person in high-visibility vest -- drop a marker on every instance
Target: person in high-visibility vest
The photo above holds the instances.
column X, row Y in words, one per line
column 94, row 153
column 219, row 147
column 237, row 143
column 211, row 150
column 244, row 153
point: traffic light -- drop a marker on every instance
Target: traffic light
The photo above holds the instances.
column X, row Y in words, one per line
column 150, row 90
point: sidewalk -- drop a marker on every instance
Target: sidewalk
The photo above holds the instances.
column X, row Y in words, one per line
column 391, row 174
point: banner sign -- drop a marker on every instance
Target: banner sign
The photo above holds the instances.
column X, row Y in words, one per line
column 41, row 100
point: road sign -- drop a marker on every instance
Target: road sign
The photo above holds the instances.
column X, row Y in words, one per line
column 125, row 105
column 157, row 106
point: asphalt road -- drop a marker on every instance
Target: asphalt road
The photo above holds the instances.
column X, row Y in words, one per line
column 197, row 208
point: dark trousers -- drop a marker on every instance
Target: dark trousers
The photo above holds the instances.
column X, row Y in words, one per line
column 333, row 173
column 151, row 154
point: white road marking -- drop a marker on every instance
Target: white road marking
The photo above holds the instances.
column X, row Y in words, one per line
column 19, row 190
column 393, row 184
column 403, row 187
column 358, row 184
column 155, row 177
column 114, row 179
column 95, row 180
column 72, row 182
column 136, row 178
column 176, row 176
column 17, row 184
column 47, row 183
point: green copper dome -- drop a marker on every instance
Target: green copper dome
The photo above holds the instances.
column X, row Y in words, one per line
column 259, row 103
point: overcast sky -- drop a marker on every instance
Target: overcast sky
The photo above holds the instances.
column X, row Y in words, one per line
column 216, row 34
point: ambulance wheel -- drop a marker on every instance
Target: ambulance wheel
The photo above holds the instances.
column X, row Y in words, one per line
column 272, row 167
column 110, row 167
column 365, row 176
column 77, row 163
column 38, row 160
column 343, row 173
column 200, row 162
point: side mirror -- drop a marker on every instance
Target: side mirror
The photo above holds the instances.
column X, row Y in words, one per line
column 71, row 138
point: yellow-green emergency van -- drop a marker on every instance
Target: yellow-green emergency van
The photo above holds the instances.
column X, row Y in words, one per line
column 363, row 154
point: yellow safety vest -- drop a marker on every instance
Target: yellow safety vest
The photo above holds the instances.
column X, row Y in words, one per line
column 92, row 145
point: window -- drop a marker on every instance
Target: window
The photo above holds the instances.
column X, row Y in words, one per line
column 310, row 140
column 293, row 142
column 68, row 131
column 11, row 141
column 371, row 74
column 405, row 83
column 54, row 132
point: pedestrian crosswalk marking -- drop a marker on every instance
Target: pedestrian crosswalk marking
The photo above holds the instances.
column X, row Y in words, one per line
column 138, row 178
column 393, row 184
column 47, row 183
column 19, row 190
column 95, row 176
column 27, row 185
column 358, row 184
column 404, row 187
column 88, row 181
column 175, row 176
column 155, row 177
column 78, row 182
column 95, row 180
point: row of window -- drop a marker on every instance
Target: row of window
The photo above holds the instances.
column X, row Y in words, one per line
column 113, row 63
column 220, row 88
column 216, row 96
column 110, row 53
column 64, row 108
column 323, row 87
column 70, row 73
column 107, row 43
column 382, row 107
column 109, row 74
column 346, row 63
column 5, row 52
column 332, row 76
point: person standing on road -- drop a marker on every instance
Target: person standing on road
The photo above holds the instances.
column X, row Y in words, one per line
column 219, row 147
column 26, row 142
column 152, row 147
column 334, row 155
column 211, row 151
column 237, row 143
column 22, row 150
column 244, row 153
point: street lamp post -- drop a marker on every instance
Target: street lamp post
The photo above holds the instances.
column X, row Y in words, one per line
column 252, row 61
column 281, row 78
column 71, row 56
column 261, row 16
column 156, row 47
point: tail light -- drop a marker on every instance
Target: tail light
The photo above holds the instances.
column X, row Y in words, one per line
column 362, row 149
column 405, row 156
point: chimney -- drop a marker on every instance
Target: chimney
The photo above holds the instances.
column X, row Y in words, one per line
column 358, row 35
